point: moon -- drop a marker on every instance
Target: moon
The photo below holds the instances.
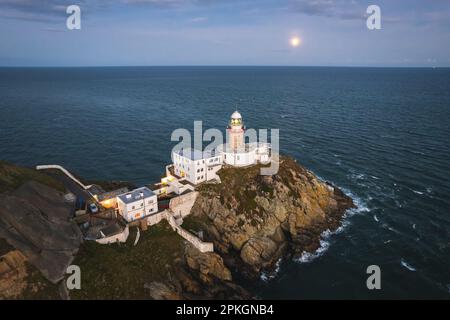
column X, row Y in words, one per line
column 295, row 41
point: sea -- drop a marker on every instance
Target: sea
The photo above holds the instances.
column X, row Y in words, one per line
column 380, row 134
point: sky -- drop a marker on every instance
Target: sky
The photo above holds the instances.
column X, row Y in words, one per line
column 225, row 32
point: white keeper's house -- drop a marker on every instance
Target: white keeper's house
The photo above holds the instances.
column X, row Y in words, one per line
column 137, row 204
column 196, row 166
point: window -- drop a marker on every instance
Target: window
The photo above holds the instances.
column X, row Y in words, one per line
column 133, row 207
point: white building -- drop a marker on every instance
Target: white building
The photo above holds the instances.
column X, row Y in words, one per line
column 137, row 204
column 196, row 166
column 253, row 153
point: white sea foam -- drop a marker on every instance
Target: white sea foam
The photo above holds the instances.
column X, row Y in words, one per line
column 361, row 207
column 407, row 265
column 417, row 192
column 324, row 245
column 357, row 176
column 388, row 241
column 267, row 276
column 417, row 152
column 414, row 226
column 398, row 203
column 376, row 218
column 388, row 227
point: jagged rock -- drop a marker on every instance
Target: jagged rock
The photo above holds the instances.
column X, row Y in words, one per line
column 188, row 284
column 259, row 252
column 162, row 291
column 13, row 273
column 208, row 264
column 35, row 219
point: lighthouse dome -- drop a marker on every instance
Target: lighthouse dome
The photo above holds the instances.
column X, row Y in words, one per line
column 236, row 120
column 236, row 115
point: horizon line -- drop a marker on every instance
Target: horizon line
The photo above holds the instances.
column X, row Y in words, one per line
column 230, row 65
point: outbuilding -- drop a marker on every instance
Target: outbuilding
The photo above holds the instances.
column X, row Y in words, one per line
column 137, row 204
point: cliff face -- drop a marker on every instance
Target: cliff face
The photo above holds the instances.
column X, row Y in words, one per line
column 254, row 220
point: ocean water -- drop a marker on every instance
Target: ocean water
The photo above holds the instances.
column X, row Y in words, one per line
column 382, row 135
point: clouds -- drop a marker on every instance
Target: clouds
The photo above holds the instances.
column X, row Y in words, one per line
column 47, row 9
column 198, row 19
column 37, row 11
column 342, row 9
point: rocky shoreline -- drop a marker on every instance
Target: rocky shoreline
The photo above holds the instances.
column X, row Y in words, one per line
column 254, row 220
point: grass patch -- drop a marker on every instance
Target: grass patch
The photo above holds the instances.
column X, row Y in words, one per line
column 121, row 271
column 195, row 223
column 12, row 177
column 38, row 287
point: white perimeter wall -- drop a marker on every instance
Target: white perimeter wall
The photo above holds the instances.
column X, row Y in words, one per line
column 121, row 237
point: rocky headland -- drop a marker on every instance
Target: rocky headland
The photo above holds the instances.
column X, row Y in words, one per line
column 253, row 221
column 256, row 220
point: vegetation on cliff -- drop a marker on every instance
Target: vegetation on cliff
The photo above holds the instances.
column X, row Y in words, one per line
column 161, row 266
column 12, row 177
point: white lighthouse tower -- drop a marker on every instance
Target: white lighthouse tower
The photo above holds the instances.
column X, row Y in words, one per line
column 235, row 133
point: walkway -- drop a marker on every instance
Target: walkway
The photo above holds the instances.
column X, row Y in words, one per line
column 175, row 223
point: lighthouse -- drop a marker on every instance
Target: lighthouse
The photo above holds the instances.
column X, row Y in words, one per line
column 235, row 132
column 196, row 166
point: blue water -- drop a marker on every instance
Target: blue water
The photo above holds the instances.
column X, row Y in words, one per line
column 383, row 135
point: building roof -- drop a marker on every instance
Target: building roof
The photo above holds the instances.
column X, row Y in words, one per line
column 136, row 195
column 194, row 154
column 112, row 194
column 236, row 115
column 96, row 189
